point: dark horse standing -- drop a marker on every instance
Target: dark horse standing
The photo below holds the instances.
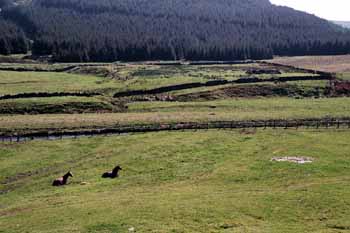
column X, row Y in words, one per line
column 112, row 174
column 62, row 180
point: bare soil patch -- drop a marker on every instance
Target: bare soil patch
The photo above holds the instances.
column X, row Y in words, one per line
column 341, row 88
column 15, row 211
column 299, row 160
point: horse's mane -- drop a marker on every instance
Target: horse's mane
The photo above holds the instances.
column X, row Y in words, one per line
column 67, row 174
column 116, row 169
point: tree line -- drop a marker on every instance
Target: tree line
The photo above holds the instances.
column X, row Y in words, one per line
column 130, row 30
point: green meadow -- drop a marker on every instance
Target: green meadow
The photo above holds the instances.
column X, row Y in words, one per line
column 208, row 181
column 205, row 181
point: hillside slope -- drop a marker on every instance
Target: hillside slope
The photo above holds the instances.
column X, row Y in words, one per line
column 345, row 24
column 107, row 30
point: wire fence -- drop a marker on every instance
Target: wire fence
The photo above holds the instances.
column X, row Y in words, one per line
column 56, row 134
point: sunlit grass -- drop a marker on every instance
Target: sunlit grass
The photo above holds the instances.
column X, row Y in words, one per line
column 230, row 109
column 214, row 181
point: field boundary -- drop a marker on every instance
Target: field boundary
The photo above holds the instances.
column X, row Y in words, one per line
column 54, row 134
column 47, row 94
column 170, row 63
column 304, row 70
column 56, row 70
column 23, row 69
column 246, row 80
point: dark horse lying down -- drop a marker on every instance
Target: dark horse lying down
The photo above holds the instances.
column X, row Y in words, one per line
column 112, row 174
column 62, row 180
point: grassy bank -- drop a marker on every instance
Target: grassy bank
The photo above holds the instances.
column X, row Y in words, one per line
column 54, row 105
column 146, row 112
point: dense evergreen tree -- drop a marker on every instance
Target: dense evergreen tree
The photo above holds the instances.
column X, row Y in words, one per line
column 12, row 37
column 108, row 30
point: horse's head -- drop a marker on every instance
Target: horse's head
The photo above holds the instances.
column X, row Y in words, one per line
column 117, row 168
column 69, row 174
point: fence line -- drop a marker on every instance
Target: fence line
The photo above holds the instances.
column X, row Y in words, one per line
column 48, row 94
column 343, row 123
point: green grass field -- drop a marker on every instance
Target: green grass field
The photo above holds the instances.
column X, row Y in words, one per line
column 53, row 105
column 280, row 107
column 28, row 82
column 344, row 76
column 153, row 112
column 119, row 77
column 108, row 79
column 209, row 181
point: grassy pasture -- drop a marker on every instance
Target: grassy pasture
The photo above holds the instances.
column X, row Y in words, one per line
column 336, row 64
column 32, row 66
column 121, row 78
column 184, row 73
column 116, row 78
column 301, row 85
column 143, row 71
column 215, row 181
column 51, row 105
column 281, row 107
column 145, row 112
column 204, row 181
column 344, row 76
column 27, row 82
